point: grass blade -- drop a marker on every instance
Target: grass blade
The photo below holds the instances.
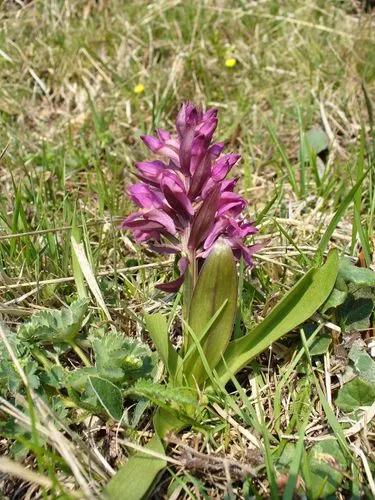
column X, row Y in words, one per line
column 338, row 215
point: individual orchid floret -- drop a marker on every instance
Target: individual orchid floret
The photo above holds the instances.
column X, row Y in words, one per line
column 184, row 197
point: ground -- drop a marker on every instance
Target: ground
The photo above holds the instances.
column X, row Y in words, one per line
column 80, row 81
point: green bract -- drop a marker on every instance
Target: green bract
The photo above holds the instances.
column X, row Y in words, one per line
column 214, row 294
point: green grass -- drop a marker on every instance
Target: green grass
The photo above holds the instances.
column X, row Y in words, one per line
column 70, row 123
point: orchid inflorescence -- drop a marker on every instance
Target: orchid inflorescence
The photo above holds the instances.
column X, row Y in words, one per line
column 186, row 203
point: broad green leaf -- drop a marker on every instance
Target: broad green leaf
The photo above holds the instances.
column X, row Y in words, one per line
column 197, row 347
column 158, row 329
column 296, row 307
column 355, row 312
column 348, row 274
column 326, row 463
column 136, row 477
column 336, row 298
column 139, row 473
column 78, row 379
column 217, row 284
column 80, row 390
column 317, row 140
column 355, row 394
column 108, row 395
column 357, row 275
column 286, row 457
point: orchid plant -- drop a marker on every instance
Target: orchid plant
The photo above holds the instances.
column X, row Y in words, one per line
column 188, row 207
column 186, row 202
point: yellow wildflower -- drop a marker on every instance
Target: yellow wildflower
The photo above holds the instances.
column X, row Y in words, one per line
column 230, row 62
column 139, row 88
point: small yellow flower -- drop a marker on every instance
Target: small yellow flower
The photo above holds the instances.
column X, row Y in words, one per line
column 230, row 62
column 138, row 89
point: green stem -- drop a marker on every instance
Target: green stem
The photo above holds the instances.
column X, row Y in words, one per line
column 82, row 356
column 42, row 358
column 189, row 284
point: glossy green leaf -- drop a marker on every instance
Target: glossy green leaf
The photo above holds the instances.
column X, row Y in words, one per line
column 158, row 330
column 216, row 285
column 299, row 304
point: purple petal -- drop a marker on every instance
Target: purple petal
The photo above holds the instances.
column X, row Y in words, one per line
column 163, row 135
column 174, row 192
column 210, row 114
column 185, row 150
column 160, row 147
column 150, row 220
column 162, row 218
column 241, row 229
column 204, row 219
column 142, row 236
column 187, row 117
column 164, row 249
column 216, row 149
column 153, row 143
column 247, row 252
column 171, row 286
column 174, row 286
column 198, row 151
column 150, row 171
column 231, row 202
column 223, row 166
column 229, row 184
column 141, row 224
column 218, row 229
column 200, row 176
column 145, row 197
column 209, row 124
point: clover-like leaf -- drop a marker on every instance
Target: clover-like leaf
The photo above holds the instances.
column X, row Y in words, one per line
column 109, row 396
column 356, row 275
column 355, row 312
column 326, row 466
column 364, row 365
column 355, row 394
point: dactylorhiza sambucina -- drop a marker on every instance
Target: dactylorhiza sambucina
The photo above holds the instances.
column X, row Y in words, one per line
column 185, row 200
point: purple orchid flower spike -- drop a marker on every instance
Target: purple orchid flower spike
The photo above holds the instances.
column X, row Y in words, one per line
column 184, row 197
